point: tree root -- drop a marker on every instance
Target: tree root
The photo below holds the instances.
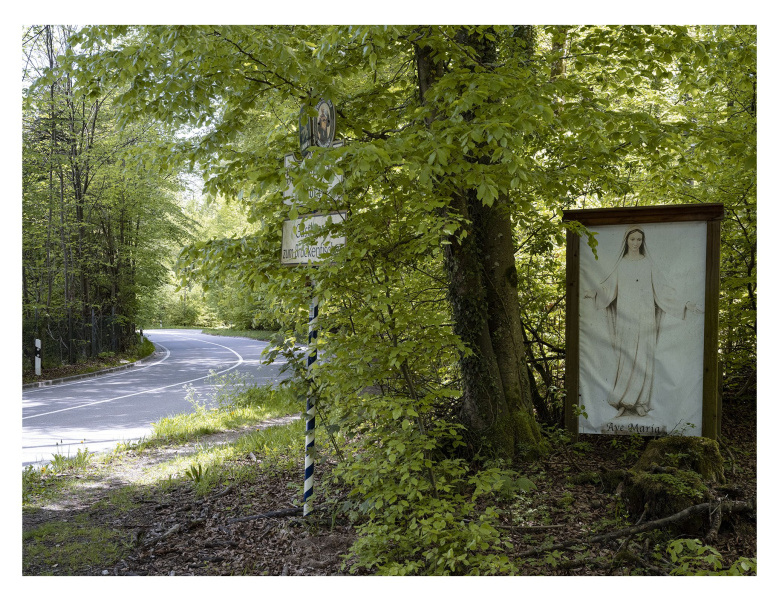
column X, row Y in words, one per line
column 279, row 513
column 716, row 521
column 221, row 494
column 209, row 499
column 598, row 562
column 724, row 507
column 630, row 536
column 173, row 530
column 612, row 562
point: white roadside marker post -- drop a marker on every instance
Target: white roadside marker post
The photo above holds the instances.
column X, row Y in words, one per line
column 37, row 357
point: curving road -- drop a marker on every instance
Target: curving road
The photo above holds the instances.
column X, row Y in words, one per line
column 100, row 412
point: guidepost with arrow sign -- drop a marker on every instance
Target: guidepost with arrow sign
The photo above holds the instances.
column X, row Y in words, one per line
column 296, row 250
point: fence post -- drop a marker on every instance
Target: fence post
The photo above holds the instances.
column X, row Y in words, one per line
column 113, row 329
column 70, row 336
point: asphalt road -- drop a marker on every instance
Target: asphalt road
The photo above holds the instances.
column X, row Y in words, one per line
column 97, row 413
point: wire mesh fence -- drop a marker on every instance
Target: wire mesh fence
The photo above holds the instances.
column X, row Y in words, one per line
column 66, row 340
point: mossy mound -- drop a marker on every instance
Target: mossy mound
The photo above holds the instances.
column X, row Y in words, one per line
column 691, row 453
column 671, row 475
column 666, row 493
column 612, row 479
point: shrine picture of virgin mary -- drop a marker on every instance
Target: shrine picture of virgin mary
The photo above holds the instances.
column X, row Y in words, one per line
column 641, row 328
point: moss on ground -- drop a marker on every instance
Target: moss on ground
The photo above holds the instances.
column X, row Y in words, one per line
column 671, row 475
column 664, row 494
column 694, row 453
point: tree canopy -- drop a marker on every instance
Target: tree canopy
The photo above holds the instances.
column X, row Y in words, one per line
column 97, row 227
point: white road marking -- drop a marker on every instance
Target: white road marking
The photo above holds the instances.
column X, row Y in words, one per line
column 240, row 360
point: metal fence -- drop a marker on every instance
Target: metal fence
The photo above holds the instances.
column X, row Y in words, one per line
column 66, row 340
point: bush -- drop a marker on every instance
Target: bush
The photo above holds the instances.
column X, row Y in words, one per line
column 421, row 511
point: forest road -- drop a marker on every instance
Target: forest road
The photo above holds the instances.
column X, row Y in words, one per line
column 97, row 413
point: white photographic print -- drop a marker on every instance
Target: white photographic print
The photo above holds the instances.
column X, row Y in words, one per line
column 641, row 306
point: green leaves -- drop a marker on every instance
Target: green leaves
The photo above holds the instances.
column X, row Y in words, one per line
column 409, row 529
column 693, row 558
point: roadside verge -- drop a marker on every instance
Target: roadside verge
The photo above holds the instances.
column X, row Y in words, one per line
column 41, row 384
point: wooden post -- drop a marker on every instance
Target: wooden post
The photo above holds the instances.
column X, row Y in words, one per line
column 113, row 329
column 572, row 333
column 94, row 334
column 720, row 374
column 711, row 379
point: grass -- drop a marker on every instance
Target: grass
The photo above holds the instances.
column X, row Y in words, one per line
column 63, row 463
column 232, row 404
column 264, row 335
column 68, row 548
column 123, row 499
column 40, row 484
column 146, row 349
column 277, row 448
column 79, row 544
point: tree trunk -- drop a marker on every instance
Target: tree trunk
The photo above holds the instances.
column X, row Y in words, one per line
column 483, row 396
column 517, row 427
column 65, row 275
column 52, row 112
column 482, row 290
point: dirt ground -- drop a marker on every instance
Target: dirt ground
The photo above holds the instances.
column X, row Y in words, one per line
column 172, row 532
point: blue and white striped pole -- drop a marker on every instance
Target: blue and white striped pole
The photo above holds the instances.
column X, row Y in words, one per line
column 308, row 484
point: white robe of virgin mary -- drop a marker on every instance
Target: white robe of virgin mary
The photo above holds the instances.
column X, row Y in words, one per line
column 636, row 296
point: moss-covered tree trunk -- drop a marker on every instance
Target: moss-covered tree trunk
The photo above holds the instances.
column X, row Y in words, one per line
column 516, row 429
column 482, row 290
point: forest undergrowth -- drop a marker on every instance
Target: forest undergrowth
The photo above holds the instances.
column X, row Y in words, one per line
column 229, row 503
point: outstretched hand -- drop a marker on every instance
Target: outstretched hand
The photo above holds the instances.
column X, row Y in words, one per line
column 694, row 308
column 589, row 294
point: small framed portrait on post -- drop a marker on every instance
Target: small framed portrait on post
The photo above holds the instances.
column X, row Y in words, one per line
column 641, row 321
column 324, row 128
